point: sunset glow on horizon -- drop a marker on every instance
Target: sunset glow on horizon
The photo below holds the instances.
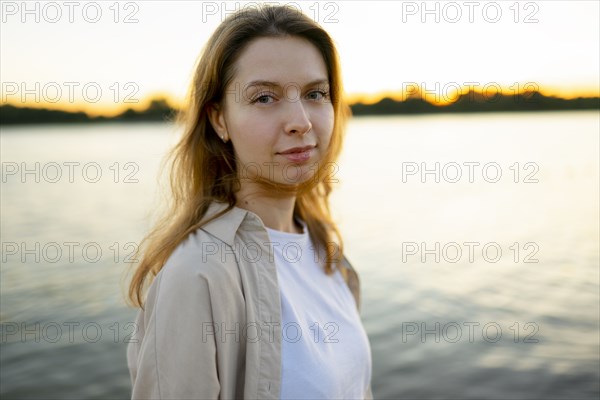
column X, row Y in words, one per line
column 443, row 98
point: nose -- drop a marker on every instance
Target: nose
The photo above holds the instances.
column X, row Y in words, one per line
column 297, row 121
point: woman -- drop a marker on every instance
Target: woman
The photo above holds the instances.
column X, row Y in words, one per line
column 252, row 296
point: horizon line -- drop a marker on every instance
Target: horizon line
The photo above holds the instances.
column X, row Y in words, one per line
column 114, row 109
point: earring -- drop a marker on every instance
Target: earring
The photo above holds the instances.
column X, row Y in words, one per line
column 223, row 139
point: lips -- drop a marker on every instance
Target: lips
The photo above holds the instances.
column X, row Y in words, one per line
column 297, row 150
column 298, row 155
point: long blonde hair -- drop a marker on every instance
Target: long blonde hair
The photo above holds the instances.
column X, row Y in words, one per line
column 203, row 168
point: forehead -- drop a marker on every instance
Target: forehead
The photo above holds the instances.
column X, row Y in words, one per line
column 281, row 59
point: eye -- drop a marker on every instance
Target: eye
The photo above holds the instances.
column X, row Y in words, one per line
column 318, row 95
column 263, row 98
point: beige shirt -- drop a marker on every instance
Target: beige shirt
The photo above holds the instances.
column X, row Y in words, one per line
column 211, row 328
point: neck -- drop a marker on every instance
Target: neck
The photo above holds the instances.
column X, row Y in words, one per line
column 276, row 212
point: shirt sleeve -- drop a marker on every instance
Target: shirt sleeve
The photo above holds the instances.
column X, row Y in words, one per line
column 175, row 353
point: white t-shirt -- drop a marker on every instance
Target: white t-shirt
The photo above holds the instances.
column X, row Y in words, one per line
column 325, row 349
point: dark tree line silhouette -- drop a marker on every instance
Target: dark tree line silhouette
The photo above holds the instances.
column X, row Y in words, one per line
column 160, row 110
column 477, row 102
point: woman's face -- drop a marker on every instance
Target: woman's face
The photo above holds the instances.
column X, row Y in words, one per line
column 278, row 100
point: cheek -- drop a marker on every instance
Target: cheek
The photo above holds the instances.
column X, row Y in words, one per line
column 325, row 122
column 253, row 136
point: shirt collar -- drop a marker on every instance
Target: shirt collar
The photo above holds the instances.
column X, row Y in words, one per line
column 225, row 226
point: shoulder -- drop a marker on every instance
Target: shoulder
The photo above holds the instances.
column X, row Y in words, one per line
column 352, row 280
column 197, row 266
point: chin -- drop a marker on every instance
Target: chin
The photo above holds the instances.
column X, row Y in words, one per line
column 293, row 174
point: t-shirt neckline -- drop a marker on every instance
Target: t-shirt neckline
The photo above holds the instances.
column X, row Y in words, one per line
column 289, row 234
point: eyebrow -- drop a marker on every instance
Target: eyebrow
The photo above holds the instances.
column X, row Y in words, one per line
column 276, row 84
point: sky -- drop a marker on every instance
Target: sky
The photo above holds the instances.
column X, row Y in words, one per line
column 102, row 56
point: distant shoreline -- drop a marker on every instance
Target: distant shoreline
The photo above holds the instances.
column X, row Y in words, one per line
column 471, row 102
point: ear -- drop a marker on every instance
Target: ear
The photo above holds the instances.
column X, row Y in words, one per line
column 216, row 117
